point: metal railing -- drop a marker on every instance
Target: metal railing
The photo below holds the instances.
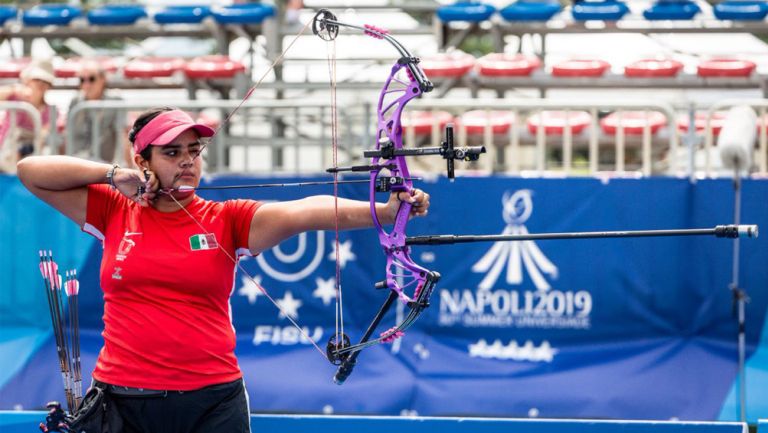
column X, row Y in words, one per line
column 263, row 136
column 295, row 136
column 516, row 131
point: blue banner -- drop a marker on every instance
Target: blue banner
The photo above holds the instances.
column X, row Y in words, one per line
column 640, row 328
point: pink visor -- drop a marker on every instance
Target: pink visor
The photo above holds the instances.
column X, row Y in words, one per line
column 165, row 127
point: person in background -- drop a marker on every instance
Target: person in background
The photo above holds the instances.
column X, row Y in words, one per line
column 103, row 123
column 17, row 135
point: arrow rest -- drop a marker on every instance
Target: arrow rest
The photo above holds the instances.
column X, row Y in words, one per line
column 324, row 29
column 336, row 343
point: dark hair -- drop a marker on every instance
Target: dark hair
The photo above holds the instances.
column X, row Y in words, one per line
column 142, row 121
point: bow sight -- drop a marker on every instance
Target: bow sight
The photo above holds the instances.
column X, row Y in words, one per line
column 388, row 151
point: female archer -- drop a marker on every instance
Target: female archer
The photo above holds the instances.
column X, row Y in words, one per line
column 167, row 270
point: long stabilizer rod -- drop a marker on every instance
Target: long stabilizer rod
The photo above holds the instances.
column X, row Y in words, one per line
column 721, row 231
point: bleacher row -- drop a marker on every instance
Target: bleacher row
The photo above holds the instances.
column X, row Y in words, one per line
column 504, row 71
column 604, row 10
column 468, row 11
column 127, row 14
column 555, row 122
column 457, row 64
column 203, row 67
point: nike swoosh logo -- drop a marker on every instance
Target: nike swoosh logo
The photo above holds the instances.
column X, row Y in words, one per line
column 132, row 233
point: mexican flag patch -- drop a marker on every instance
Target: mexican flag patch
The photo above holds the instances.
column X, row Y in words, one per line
column 203, row 242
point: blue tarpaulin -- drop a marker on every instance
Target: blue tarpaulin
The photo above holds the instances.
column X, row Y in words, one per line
column 637, row 328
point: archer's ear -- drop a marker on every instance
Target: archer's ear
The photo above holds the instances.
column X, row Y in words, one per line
column 140, row 161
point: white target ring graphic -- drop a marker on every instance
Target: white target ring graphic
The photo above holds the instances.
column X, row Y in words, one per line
column 293, row 257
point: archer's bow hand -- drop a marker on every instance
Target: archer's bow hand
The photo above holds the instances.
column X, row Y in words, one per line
column 138, row 185
column 417, row 199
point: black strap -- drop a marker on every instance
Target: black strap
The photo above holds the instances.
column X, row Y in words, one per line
column 127, row 391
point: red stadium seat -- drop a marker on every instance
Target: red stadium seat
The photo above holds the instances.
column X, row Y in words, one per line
column 554, row 122
column 475, row 121
column 12, row 68
column 210, row 67
column 209, row 120
column 649, row 68
column 581, row 68
column 72, row 66
column 507, row 65
column 634, row 122
column 448, row 65
column 153, row 67
column 700, row 122
column 422, row 121
column 726, row 68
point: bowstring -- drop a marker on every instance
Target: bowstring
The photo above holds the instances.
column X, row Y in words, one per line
column 331, row 57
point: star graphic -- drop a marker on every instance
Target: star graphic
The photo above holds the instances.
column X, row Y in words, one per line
column 251, row 289
column 527, row 352
column 345, row 253
column 478, row 349
column 326, row 290
column 289, row 306
column 546, row 353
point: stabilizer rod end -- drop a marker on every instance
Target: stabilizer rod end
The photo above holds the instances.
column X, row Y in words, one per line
column 737, row 231
column 748, row 231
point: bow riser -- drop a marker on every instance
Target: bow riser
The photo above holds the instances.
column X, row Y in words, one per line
column 390, row 133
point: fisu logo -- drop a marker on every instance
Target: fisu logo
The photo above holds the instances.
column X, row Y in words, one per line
column 517, row 208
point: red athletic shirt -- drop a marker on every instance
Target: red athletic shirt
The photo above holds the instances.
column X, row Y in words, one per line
column 167, row 317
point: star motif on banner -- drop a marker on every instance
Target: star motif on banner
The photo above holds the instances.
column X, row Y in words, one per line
column 526, row 352
column 289, row 306
column 345, row 253
column 326, row 290
column 251, row 289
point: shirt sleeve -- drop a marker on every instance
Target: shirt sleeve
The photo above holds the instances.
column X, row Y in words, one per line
column 101, row 204
column 241, row 214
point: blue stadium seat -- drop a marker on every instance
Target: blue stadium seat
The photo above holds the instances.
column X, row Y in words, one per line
column 470, row 11
column 245, row 13
column 6, row 13
column 604, row 10
column 741, row 10
column 531, row 10
column 116, row 15
column 182, row 14
column 672, row 10
column 57, row 14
